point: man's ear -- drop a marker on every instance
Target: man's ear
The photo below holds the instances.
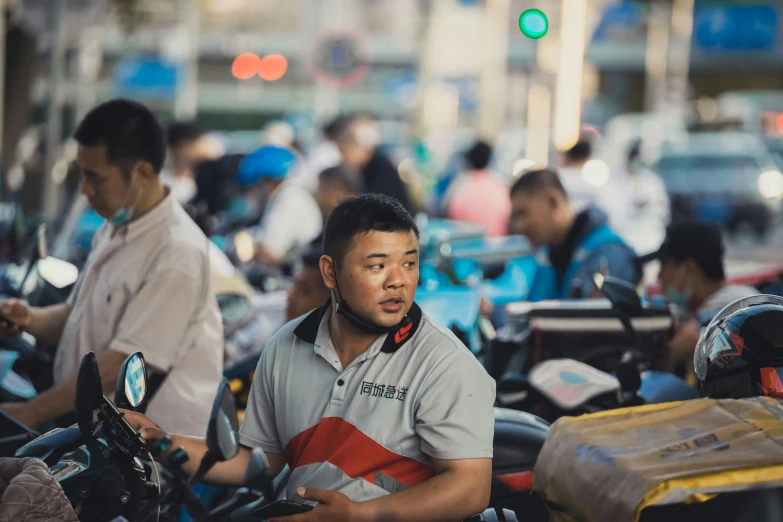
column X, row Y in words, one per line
column 326, row 265
column 553, row 199
column 145, row 171
column 691, row 269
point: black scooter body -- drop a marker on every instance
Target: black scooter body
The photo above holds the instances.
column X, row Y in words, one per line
column 50, row 447
column 519, row 437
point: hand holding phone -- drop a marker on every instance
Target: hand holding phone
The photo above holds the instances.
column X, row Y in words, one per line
column 281, row 508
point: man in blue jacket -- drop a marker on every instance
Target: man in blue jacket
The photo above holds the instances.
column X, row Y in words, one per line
column 572, row 246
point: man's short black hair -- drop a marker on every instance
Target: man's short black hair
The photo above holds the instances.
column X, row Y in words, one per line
column 341, row 177
column 312, row 256
column 581, row 151
column 180, row 132
column 361, row 215
column 478, row 155
column 128, row 130
column 690, row 239
column 537, row 181
column 333, row 128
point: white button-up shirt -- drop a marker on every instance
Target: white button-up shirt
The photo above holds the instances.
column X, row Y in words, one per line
column 147, row 287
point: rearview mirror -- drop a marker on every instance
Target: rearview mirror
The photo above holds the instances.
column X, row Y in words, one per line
column 257, row 475
column 233, row 307
column 57, row 272
column 222, row 439
column 88, row 392
column 620, row 293
column 131, row 390
column 40, row 252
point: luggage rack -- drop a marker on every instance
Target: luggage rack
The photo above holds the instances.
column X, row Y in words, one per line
column 586, row 330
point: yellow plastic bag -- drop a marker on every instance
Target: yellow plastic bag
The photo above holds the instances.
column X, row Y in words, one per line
column 612, row 465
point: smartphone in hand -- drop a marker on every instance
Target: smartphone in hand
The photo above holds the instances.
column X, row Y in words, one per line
column 281, row 508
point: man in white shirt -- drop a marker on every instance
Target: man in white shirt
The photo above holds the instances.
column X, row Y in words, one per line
column 639, row 207
column 580, row 193
column 189, row 145
column 146, row 285
column 291, row 217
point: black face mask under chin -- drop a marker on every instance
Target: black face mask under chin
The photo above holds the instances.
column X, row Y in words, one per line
column 343, row 309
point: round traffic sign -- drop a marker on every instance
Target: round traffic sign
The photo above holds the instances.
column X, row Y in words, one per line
column 339, row 57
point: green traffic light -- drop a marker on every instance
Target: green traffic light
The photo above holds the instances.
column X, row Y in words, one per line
column 533, row 23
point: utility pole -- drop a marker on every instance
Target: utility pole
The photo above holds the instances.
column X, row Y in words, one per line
column 656, row 53
column 186, row 100
column 680, row 50
column 50, row 191
column 494, row 69
column 568, row 88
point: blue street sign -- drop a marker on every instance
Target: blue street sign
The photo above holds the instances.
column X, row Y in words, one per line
column 148, row 76
column 620, row 17
column 736, row 27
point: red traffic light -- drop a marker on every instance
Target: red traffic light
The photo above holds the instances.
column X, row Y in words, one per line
column 245, row 66
column 272, row 67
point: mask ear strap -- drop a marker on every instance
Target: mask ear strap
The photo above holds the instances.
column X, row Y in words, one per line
column 336, row 288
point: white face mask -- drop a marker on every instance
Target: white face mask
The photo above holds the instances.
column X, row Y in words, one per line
column 125, row 213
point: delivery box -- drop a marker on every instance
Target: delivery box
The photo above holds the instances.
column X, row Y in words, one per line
column 621, row 465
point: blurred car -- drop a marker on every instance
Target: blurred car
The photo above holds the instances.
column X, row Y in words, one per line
column 729, row 178
column 775, row 147
column 652, row 129
column 755, row 110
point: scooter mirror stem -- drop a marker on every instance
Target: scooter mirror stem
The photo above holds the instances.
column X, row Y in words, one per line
column 206, row 464
column 243, row 496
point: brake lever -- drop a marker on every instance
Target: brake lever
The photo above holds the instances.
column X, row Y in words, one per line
column 178, row 481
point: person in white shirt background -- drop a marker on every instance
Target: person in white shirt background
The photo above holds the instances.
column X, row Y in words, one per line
column 145, row 287
column 581, row 193
column 639, row 207
column 291, row 217
column 189, row 145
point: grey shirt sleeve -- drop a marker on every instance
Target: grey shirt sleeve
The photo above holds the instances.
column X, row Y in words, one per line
column 455, row 416
column 259, row 427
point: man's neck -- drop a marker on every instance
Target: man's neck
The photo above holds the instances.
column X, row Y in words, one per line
column 349, row 341
column 157, row 193
column 566, row 224
column 703, row 292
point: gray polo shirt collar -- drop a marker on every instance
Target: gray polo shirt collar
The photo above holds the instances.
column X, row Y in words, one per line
column 311, row 330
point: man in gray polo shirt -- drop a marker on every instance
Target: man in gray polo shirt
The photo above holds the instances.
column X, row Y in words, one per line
column 380, row 413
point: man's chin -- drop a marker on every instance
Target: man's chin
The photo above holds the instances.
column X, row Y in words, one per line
column 102, row 213
column 389, row 320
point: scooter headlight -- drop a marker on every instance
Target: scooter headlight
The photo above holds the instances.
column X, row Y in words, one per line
column 771, row 184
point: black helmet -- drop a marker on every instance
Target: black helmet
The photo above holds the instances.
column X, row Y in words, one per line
column 740, row 354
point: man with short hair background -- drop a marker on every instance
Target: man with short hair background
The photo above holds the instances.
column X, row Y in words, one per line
column 573, row 245
column 693, row 279
column 145, row 287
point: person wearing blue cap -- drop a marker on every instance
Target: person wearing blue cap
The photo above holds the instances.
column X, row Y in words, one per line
column 291, row 218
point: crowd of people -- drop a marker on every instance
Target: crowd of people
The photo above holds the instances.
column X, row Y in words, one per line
column 340, row 220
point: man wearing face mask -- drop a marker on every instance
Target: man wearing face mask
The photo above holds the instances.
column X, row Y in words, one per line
column 694, row 281
column 145, row 287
